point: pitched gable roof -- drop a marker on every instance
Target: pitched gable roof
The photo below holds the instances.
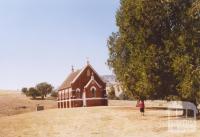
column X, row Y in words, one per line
column 69, row 79
column 92, row 80
column 88, row 65
column 74, row 76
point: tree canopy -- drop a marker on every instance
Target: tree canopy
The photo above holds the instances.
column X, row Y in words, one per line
column 44, row 88
column 156, row 52
column 41, row 89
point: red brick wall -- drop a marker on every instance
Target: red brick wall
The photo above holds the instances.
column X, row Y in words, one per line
column 97, row 102
column 58, row 104
column 84, row 79
column 80, row 83
column 100, row 92
column 77, row 103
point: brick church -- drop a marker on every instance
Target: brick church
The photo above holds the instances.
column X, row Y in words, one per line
column 82, row 88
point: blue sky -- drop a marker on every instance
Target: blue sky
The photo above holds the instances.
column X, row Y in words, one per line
column 41, row 39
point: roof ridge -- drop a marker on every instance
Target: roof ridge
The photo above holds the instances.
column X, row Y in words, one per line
column 69, row 79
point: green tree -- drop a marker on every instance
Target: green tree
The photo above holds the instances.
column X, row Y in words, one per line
column 33, row 92
column 156, row 52
column 111, row 94
column 24, row 91
column 44, row 89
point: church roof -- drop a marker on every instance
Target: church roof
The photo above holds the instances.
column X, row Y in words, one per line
column 74, row 76
column 69, row 79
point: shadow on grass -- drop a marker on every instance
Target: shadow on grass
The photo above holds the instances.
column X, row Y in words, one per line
column 54, row 99
column 173, row 116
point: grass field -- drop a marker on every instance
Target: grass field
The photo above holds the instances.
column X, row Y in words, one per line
column 12, row 103
column 120, row 119
column 90, row 122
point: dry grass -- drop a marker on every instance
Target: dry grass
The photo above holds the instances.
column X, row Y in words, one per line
column 90, row 122
column 120, row 119
column 12, row 103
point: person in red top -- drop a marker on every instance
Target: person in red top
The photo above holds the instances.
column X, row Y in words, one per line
column 142, row 106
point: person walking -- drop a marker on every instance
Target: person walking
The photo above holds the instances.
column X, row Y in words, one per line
column 142, row 106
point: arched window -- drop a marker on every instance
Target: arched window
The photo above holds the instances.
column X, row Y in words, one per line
column 78, row 93
column 93, row 91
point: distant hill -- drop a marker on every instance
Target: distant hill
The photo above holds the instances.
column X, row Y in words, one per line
column 7, row 91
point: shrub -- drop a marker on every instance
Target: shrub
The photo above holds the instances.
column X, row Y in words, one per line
column 24, row 91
